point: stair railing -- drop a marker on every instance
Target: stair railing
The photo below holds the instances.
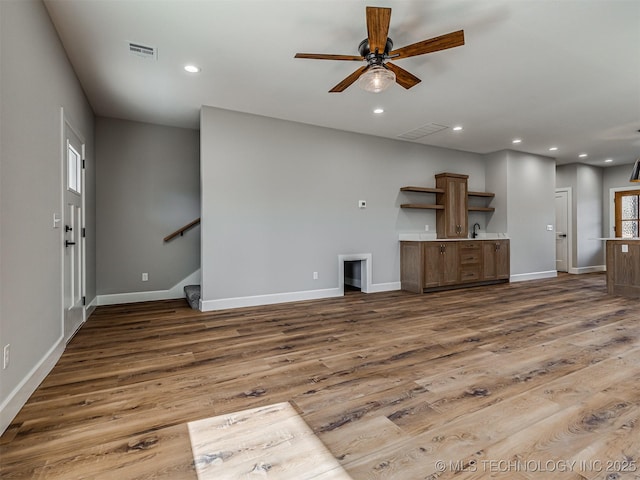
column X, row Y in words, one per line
column 181, row 230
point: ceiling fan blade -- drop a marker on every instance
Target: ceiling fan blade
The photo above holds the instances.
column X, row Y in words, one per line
column 403, row 78
column 323, row 56
column 450, row 40
column 378, row 20
column 342, row 86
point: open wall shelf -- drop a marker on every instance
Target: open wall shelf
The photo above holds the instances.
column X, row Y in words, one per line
column 424, row 206
column 452, row 203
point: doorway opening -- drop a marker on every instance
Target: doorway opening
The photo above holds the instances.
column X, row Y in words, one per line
column 354, row 273
column 352, row 276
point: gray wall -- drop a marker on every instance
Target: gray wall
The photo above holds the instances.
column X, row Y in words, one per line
column 148, row 186
column 524, row 185
column 589, row 217
column 531, row 184
column 280, row 201
column 36, row 80
column 284, row 205
column 496, row 182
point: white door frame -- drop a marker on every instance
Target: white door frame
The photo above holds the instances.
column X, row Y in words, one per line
column 569, row 227
column 67, row 123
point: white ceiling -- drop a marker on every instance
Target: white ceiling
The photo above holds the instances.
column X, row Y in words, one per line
column 562, row 73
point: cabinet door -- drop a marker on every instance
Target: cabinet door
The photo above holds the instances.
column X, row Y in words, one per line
column 450, row 263
column 432, row 258
column 495, row 257
column 461, row 208
column 451, row 221
column 489, row 253
column 411, row 266
column 503, row 266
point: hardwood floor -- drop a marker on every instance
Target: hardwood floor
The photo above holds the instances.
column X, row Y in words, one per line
column 530, row 380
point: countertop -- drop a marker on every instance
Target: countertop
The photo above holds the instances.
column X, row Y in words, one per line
column 432, row 237
column 619, row 239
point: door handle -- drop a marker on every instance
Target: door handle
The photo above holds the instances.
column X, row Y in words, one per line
column 67, row 243
column 67, row 228
column 563, row 235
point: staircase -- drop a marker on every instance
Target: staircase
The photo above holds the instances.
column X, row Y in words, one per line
column 192, row 292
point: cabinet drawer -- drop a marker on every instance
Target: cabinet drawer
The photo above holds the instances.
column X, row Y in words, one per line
column 470, row 258
column 470, row 274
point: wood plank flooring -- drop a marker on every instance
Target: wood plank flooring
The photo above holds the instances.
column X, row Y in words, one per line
column 530, row 380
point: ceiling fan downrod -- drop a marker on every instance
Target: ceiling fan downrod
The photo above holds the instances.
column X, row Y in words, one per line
column 375, row 58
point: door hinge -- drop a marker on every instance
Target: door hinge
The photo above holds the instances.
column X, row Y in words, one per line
column 84, row 300
column 84, row 232
column 83, row 163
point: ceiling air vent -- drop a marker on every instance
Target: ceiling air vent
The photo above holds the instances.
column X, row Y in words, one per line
column 423, row 131
column 143, row 50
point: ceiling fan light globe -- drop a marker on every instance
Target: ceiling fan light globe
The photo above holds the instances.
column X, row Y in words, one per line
column 376, row 79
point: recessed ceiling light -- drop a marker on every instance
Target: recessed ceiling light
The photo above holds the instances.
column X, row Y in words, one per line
column 378, row 110
column 608, row 160
column 457, row 128
column 516, row 140
column 583, row 155
column 553, row 149
column 192, row 68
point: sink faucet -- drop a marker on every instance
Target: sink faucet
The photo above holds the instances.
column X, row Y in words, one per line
column 475, row 234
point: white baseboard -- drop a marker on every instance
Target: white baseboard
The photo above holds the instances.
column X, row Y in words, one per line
column 19, row 396
column 90, row 308
column 591, row 269
column 522, row 277
column 385, row 287
column 271, row 299
column 177, row 291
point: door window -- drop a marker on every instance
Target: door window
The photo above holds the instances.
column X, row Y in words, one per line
column 628, row 214
column 74, row 168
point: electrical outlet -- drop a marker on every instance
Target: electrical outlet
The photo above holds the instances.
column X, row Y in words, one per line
column 315, row 275
column 426, row 228
column 145, row 277
column 6, row 356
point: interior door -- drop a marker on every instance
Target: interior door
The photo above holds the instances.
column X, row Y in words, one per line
column 72, row 223
column 562, row 231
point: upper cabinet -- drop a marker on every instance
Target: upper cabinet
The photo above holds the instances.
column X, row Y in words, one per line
column 451, row 221
column 451, row 204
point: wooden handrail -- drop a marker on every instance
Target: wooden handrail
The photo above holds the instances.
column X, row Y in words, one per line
column 181, row 231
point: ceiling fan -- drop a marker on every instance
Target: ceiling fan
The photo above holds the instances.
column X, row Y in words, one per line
column 376, row 50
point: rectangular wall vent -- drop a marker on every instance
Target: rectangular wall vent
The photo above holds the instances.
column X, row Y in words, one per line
column 143, row 50
column 423, row 131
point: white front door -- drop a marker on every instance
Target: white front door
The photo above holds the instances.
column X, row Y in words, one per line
column 562, row 231
column 72, row 223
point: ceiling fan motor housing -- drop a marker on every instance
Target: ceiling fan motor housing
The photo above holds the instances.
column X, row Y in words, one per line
column 374, row 58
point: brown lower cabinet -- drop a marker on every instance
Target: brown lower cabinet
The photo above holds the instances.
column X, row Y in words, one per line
column 438, row 265
column 623, row 267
